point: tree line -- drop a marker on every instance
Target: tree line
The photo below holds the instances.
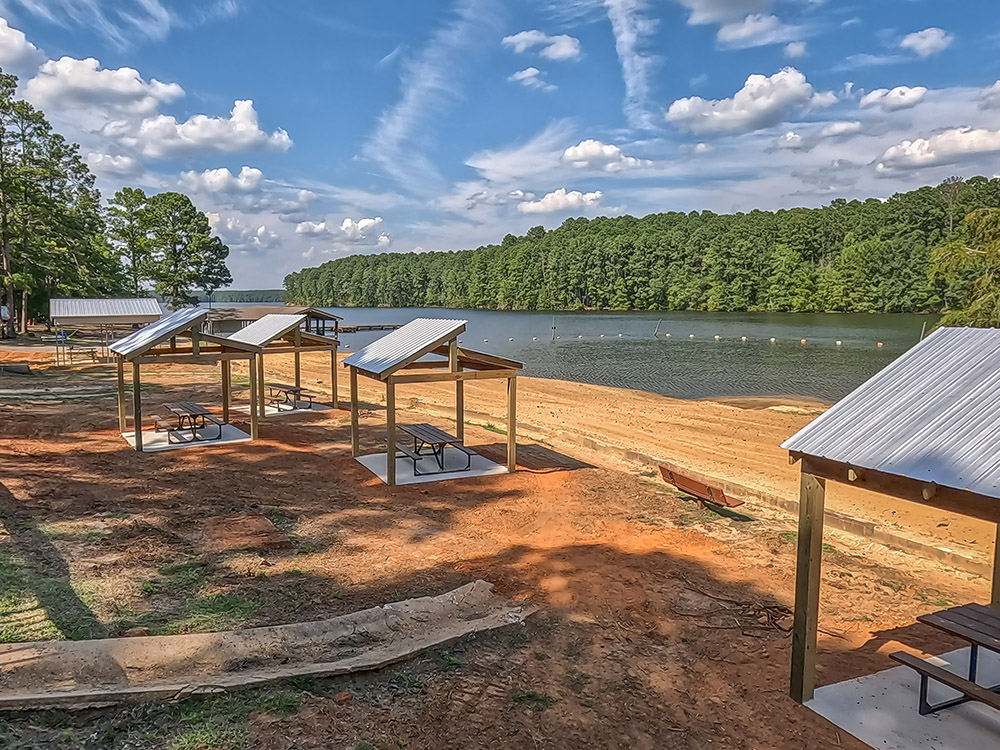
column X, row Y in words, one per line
column 58, row 239
column 865, row 256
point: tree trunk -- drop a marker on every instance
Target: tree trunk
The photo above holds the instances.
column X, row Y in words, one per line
column 24, row 311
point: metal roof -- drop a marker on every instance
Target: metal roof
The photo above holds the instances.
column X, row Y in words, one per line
column 267, row 329
column 404, row 345
column 155, row 333
column 132, row 307
column 931, row 415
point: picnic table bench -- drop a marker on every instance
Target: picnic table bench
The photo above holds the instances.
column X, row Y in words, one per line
column 186, row 416
column 980, row 627
column 437, row 440
column 280, row 394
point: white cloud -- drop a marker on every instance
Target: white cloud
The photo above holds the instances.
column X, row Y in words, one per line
column 223, row 181
column 68, row 83
column 989, row 97
column 511, row 164
column 431, row 82
column 927, row 42
column 17, row 54
column 162, row 136
column 114, row 165
column 722, row 11
column 242, row 236
column 632, row 30
column 757, row 30
column 891, row 100
column 606, row 157
column 947, row 147
column 350, row 231
column 532, row 79
column 561, row 47
column 486, row 197
column 764, row 101
column 560, row 200
column 839, row 129
column 795, row 49
column 792, row 140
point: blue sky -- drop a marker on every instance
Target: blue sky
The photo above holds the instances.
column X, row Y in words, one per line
column 314, row 130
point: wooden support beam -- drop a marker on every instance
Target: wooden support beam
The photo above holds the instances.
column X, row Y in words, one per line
column 334, row 389
column 355, row 442
column 122, row 425
column 298, row 358
column 205, row 358
column 447, row 377
column 390, row 433
column 195, row 342
column 511, row 425
column 252, row 367
column 261, row 402
column 995, row 589
column 227, row 389
column 137, row 406
column 812, row 499
column 454, row 366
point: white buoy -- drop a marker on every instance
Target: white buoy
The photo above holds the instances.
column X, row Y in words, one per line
column 879, row 345
column 558, row 337
column 619, row 335
column 691, row 336
column 743, row 338
column 718, row 337
column 511, row 338
column 802, row 341
column 602, row 335
column 486, row 341
column 667, row 336
column 580, row 336
column 773, row 339
column 840, row 343
column 534, row 338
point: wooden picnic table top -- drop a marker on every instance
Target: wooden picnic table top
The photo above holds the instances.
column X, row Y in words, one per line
column 429, row 434
column 283, row 387
column 975, row 623
column 186, row 408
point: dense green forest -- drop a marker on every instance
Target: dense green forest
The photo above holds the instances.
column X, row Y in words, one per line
column 852, row 256
column 58, row 238
column 245, row 295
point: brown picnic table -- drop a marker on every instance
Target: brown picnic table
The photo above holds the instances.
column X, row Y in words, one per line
column 186, row 416
column 279, row 394
column 427, row 436
column 976, row 624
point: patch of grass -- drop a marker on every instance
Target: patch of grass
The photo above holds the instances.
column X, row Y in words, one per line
column 220, row 723
column 648, row 473
column 700, row 515
column 891, row 585
column 490, row 427
column 788, row 536
column 534, row 700
column 209, row 613
column 186, row 574
column 404, row 683
column 519, row 639
column 450, row 660
column 828, row 547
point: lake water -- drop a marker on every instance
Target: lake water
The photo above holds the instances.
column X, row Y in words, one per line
column 629, row 356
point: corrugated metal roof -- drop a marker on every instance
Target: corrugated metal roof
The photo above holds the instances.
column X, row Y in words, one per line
column 104, row 308
column 267, row 329
column 932, row 415
column 404, row 345
column 167, row 326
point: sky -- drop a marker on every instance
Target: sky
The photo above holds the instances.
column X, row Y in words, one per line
column 311, row 130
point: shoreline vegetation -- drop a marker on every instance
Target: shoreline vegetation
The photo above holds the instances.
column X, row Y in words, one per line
column 923, row 251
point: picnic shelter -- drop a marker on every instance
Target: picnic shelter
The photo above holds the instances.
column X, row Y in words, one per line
column 924, row 429
column 426, row 350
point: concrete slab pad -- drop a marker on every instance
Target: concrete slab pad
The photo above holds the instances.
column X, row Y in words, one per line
column 301, row 407
column 454, row 461
column 155, row 442
column 881, row 709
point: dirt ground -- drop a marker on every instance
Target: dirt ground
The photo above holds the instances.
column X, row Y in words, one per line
column 661, row 624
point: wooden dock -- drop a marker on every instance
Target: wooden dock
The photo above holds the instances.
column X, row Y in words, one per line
column 360, row 328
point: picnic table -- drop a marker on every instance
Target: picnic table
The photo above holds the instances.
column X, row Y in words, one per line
column 186, row 416
column 427, row 436
column 280, row 394
column 980, row 627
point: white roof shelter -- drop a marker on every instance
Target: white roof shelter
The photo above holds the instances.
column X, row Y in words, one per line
column 106, row 312
column 402, row 356
column 924, row 429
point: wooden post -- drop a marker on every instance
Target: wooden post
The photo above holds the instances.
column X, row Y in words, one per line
column 252, row 367
column 812, row 498
column 195, row 343
column 335, row 395
column 261, row 401
column 137, row 406
column 121, row 395
column 227, row 380
column 298, row 360
column 511, row 425
column 454, row 366
column 355, row 442
column 390, row 432
column 995, row 590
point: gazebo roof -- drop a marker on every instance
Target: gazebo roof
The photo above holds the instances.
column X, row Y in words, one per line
column 265, row 330
column 156, row 333
column 930, row 416
column 110, row 310
column 405, row 345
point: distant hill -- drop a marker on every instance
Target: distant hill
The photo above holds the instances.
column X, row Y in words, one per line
column 245, row 295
